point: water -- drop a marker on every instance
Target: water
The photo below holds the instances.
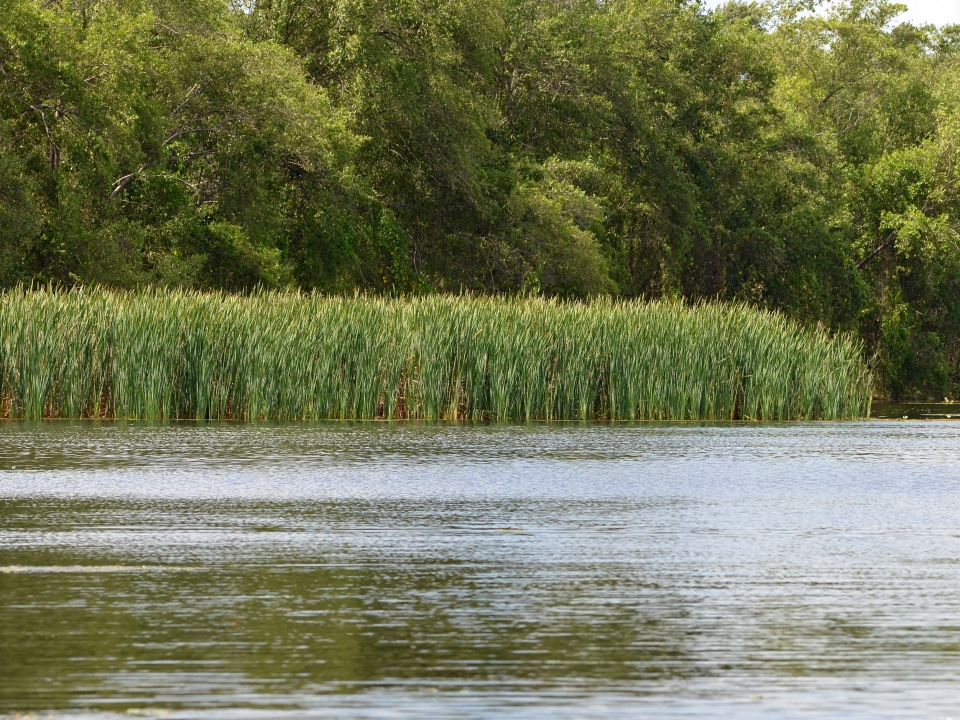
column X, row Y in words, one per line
column 348, row 571
column 915, row 411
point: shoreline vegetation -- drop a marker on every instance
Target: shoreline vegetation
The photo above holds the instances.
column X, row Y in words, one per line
column 796, row 155
column 165, row 355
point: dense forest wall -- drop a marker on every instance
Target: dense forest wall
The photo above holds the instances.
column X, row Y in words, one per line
column 795, row 160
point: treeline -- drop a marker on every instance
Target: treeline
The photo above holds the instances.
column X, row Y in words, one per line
column 795, row 160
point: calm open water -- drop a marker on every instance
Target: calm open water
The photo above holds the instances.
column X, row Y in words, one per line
column 363, row 570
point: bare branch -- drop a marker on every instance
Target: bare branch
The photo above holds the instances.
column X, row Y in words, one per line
column 841, row 86
column 190, row 131
column 190, row 94
column 54, row 148
column 122, row 183
column 199, row 153
column 883, row 246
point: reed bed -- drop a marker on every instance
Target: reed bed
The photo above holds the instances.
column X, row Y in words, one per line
column 156, row 355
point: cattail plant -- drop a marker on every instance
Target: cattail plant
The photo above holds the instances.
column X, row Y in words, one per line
column 162, row 355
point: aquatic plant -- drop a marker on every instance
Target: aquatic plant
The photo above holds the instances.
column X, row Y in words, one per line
column 160, row 354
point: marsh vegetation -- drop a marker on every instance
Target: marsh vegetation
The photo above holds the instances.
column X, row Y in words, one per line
column 289, row 356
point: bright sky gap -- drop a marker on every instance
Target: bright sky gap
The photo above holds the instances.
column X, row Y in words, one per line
column 920, row 12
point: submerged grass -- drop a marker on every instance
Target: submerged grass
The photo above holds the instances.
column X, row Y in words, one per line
column 286, row 356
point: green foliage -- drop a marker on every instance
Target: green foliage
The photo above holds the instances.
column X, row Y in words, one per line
column 155, row 143
column 285, row 356
column 795, row 155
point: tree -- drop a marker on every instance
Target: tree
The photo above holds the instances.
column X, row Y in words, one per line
column 156, row 143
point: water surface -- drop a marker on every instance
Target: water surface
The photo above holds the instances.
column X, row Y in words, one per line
column 367, row 570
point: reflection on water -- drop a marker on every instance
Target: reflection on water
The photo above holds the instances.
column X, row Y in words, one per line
column 410, row 570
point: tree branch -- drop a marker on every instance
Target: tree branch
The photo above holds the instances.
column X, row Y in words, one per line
column 190, row 94
column 841, row 86
column 123, row 182
column 189, row 131
column 883, row 246
column 54, row 148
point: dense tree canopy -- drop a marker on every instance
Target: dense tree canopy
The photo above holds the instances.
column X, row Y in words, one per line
column 796, row 156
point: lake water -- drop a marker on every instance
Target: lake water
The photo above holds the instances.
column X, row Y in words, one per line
column 408, row 571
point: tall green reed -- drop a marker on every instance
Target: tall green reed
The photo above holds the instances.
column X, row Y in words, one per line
column 289, row 356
